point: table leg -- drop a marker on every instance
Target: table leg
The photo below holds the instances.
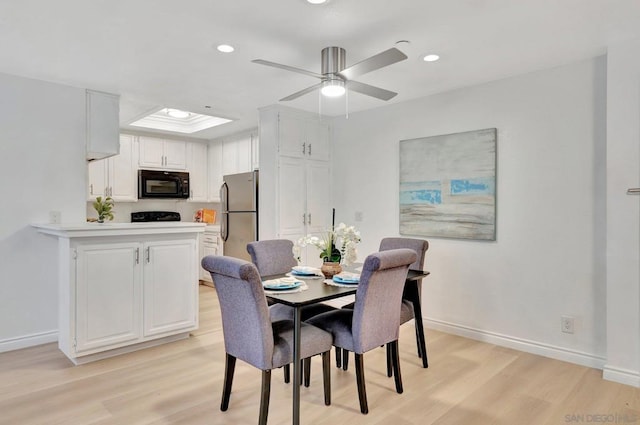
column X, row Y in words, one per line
column 414, row 296
column 297, row 372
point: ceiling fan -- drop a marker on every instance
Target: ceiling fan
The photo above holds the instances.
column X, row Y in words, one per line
column 336, row 77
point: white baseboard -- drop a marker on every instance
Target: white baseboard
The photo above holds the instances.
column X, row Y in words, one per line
column 28, row 341
column 534, row 347
column 622, row 376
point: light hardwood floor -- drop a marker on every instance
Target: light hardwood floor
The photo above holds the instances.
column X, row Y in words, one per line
column 467, row 382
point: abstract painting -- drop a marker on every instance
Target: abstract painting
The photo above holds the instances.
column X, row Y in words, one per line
column 448, row 185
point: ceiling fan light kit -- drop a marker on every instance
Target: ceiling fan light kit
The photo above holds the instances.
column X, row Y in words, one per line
column 336, row 77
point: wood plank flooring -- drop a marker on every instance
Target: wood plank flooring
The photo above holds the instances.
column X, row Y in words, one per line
column 467, row 382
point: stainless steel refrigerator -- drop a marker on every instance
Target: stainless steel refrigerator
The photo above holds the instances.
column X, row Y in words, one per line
column 239, row 196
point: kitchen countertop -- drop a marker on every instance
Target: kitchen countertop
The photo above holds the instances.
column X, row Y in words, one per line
column 118, row 229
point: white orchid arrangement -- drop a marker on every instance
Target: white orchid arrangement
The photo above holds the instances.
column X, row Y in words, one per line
column 337, row 245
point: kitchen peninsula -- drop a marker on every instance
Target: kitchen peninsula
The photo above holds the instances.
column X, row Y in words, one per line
column 124, row 286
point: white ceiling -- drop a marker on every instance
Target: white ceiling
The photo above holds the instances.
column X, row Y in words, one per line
column 161, row 53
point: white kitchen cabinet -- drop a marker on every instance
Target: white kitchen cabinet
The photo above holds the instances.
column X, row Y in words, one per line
column 210, row 244
column 237, row 153
column 295, row 183
column 124, row 286
column 115, row 176
column 103, row 124
column 109, row 292
column 303, row 137
column 162, row 153
column 215, row 170
column 304, row 201
column 170, row 296
column 198, row 172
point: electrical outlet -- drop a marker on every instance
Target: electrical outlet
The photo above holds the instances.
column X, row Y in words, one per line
column 55, row 217
column 566, row 324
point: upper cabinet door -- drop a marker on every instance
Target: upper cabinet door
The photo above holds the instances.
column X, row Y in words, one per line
column 198, row 172
column 291, row 136
column 175, row 154
column 164, row 154
column 103, row 125
column 122, row 171
column 151, row 152
column 317, row 138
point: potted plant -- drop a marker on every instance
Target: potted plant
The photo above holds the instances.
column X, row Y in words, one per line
column 104, row 208
column 337, row 246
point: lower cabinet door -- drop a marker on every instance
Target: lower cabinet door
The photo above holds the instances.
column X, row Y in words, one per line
column 108, row 296
column 170, row 286
column 207, row 249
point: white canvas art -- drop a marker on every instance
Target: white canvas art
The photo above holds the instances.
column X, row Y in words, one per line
column 448, row 185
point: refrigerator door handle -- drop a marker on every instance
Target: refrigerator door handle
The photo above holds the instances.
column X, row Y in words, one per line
column 224, row 226
column 224, row 197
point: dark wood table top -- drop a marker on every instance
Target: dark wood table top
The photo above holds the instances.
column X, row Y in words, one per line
column 319, row 291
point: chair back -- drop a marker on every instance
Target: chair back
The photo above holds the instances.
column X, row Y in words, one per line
column 246, row 326
column 420, row 246
column 376, row 313
column 273, row 256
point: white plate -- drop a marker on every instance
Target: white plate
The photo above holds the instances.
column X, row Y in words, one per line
column 281, row 284
column 305, row 270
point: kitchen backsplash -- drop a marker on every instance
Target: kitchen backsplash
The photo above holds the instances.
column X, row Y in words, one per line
column 122, row 210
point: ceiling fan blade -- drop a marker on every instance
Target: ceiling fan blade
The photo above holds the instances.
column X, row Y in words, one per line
column 287, row 67
column 301, row 92
column 372, row 91
column 378, row 61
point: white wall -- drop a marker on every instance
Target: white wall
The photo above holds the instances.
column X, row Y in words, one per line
column 549, row 257
column 623, row 225
column 42, row 161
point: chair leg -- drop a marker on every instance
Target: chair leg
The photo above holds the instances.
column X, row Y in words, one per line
column 229, row 368
column 389, row 361
column 287, row 373
column 396, row 365
column 302, row 374
column 264, row 397
column 421, row 343
column 345, row 359
column 326, row 377
column 362, row 391
column 338, row 357
column 307, row 371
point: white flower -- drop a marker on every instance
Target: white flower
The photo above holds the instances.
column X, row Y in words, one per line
column 343, row 238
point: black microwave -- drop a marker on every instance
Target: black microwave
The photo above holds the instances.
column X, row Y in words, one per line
column 156, row 184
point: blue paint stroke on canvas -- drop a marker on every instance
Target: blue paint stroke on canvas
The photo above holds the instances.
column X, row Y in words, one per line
column 426, row 192
column 475, row 186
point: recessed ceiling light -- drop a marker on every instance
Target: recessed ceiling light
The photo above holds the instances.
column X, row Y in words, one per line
column 316, row 1
column 176, row 120
column 431, row 58
column 177, row 113
column 225, row 48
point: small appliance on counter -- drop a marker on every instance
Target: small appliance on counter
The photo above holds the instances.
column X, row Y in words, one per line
column 204, row 215
column 150, row 216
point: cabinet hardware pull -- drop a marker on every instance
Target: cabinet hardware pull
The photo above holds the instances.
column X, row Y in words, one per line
column 304, row 147
column 309, row 214
column 148, row 255
column 309, row 149
column 633, row 191
column 91, row 188
column 137, row 255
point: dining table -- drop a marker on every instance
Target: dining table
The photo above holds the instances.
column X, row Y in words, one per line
column 319, row 291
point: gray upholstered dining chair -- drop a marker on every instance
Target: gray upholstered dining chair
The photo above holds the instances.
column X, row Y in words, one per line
column 375, row 318
column 250, row 335
column 420, row 246
column 273, row 257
